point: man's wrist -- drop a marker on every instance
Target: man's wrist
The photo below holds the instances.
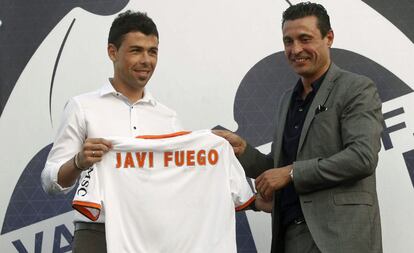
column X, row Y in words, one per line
column 77, row 163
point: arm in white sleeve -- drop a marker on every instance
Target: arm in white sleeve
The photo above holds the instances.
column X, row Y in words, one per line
column 68, row 141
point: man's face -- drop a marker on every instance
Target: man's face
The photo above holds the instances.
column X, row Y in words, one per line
column 135, row 60
column 305, row 49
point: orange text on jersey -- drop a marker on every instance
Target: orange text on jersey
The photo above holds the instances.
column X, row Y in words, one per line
column 190, row 158
column 135, row 159
column 170, row 158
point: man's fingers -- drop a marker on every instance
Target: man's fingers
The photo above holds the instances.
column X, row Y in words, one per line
column 88, row 158
column 92, row 151
column 95, row 153
column 264, row 191
column 268, row 194
column 259, row 179
column 95, row 147
column 260, row 184
column 100, row 147
column 102, row 141
column 228, row 135
column 238, row 143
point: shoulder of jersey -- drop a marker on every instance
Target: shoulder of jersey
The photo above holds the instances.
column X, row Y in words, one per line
column 211, row 135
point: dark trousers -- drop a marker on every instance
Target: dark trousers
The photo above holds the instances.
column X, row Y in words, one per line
column 298, row 239
column 89, row 238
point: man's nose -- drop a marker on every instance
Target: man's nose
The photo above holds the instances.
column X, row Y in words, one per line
column 145, row 58
column 296, row 47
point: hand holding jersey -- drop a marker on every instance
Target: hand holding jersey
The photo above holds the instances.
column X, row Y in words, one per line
column 267, row 182
column 92, row 151
column 273, row 180
column 262, row 204
column 238, row 143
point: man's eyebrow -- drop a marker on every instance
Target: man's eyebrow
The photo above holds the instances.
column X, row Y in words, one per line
column 140, row 47
column 305, row 35
column 135, row 47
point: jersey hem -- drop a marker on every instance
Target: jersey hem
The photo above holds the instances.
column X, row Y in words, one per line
column 246, row 204
column 82, row 207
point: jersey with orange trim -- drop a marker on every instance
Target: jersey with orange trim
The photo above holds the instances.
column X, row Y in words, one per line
column 177, row 193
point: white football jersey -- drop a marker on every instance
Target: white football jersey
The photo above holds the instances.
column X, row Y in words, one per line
column 171, row 193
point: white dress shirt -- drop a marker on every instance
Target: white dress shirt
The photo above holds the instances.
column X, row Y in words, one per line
column 104, row 112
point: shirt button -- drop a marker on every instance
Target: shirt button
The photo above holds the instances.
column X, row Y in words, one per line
column 296, row 126
column 135, row 128
column 301, row 109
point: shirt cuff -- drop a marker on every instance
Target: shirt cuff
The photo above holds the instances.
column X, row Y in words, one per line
column 50, row 180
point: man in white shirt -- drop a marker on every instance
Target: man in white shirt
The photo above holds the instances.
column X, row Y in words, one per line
column 122, row 107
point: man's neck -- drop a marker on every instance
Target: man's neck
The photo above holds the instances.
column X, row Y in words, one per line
column 133, row 94
column 307, row 81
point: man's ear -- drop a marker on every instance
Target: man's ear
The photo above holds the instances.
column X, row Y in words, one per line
column 330, row 36
column 112, row 52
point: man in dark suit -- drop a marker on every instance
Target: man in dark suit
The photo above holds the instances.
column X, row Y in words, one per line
column 321, row 170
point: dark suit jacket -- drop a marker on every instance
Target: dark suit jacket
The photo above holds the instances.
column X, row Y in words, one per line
column 334, row 174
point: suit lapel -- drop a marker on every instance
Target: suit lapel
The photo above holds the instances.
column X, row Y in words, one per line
column 320, row 99
column 284, row 107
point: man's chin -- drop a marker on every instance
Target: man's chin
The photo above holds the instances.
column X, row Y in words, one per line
column 302, row 70
column 141, row 81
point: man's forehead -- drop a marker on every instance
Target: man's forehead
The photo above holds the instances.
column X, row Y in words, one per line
column 299, row 27
column 140, row 35
column 138, row 39
column 310, row 21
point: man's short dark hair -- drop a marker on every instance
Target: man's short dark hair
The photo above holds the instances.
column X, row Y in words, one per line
column 306, row 9
column 130, row 21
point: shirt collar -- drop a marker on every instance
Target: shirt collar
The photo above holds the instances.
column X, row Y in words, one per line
column 107, row 88
column 315, row 85
column 148, row 98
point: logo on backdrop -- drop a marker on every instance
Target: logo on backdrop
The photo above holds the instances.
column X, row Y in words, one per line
column 24, row 34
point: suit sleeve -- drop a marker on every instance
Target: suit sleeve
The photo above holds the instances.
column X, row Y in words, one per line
column 360, row 129
column 254, row 162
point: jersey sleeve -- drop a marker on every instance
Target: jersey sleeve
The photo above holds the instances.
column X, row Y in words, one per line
column 241, row 191
column 87, row 198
